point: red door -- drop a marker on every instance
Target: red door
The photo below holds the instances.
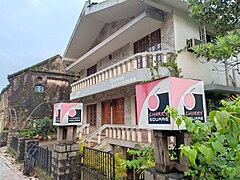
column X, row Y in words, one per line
column 106, row 112
column 118, row 111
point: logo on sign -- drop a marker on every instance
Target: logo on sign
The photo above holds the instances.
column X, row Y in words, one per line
column 156, row 105
column 193, row 106
column 57, row 115
column 74, row 116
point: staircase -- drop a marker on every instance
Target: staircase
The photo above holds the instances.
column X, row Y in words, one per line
column 129, row 135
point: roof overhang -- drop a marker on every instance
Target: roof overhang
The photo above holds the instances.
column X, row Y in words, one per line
column 92, row 19
column 131, row 32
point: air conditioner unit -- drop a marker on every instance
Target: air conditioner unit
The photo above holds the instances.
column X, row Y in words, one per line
column 191, row 43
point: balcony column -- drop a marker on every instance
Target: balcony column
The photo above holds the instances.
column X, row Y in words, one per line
column 107, row 132
column 119, row 71
column 114, row 71
column 85, row 83
column 110, row 73
column 128, row 66
column 123, row 134
column 149, row 131
column 154, row 58
column 118, row 133
column 80, row 135
column 110, row 132
column 134, row 63
column 164, row 54
column 99, row 138
column 106, row 74
column 114, row 133
column 103, row 76
column 144, row 61
column 124, row 68
column 139, row 135
column 90, row 81
column 94, row 80
column 128, row 134
column 99, row 78
column 133, row 135
column 87, row 130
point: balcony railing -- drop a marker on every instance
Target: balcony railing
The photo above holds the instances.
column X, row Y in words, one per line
column 118, row 132
column 137, row 61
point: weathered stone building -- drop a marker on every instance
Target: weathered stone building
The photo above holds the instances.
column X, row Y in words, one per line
column 33, row 90
column 4, row 107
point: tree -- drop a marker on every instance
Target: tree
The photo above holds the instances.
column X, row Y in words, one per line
column 224, row 15
column 215, row 148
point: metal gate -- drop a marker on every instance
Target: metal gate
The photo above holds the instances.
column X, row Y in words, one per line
column 97, row 165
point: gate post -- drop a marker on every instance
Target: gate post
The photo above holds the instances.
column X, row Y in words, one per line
column 66, row 154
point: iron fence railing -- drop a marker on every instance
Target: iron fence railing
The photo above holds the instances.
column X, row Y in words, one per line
column 43, row 159
column 97, row 164
column 38, row 157
column 14, row 143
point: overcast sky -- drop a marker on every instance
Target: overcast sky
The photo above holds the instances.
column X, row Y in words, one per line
column 34, row 30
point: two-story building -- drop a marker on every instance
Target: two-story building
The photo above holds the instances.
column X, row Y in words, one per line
column 113, row 46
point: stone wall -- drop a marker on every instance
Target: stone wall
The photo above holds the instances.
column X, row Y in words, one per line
column 66, row 162
column 127, row 92
column 24, row 99
column 4, row 115
column 167, row 33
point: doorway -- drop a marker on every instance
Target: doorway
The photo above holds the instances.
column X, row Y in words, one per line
column 113, row 111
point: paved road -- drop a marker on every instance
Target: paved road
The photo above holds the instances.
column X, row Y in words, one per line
column 7, row 173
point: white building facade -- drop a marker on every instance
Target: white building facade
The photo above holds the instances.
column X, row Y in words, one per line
column 115, row 42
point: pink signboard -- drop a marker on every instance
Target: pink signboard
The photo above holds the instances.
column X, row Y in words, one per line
column 66, row 114
column 185, row 95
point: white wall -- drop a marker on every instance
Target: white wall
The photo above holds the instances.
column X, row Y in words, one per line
column 211, row 72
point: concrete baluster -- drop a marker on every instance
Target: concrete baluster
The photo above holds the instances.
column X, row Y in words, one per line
column 134, row 63
column 106, row 74
column 123, row 134
column 129, row 66
column 149, row 135
column 114, row 71
column 99, row 137
column 110, row 132
column 106, row 132
column 128, row 134
column 133, row 135
column 119, row 71
column 114, row 133
column 144, row 61
column 118, row 133
column 103, row 76
column 99, row 78
column 139, row 135
column 154, row 58
column 124, row 68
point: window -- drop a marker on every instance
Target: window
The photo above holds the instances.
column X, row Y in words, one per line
column 206, row 36
column 149, row 43
column 39, row 89
column 92, row 70
column 92, row 114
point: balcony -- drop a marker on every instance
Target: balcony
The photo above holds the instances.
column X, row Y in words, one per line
column 128, row 71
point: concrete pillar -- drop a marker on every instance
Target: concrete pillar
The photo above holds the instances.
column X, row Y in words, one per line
column 66, row 155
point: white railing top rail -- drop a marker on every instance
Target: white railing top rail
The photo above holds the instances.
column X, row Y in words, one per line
column 83, row 127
